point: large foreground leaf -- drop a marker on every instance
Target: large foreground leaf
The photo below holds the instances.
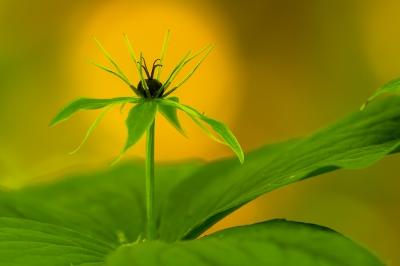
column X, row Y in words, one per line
column 108, row 204
column 219, row 188
column 28, row 243
column 275, row 243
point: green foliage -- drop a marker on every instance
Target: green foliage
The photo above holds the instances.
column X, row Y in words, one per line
column 276, row 242
column 25, row 242
column 391, row 86
column 99, row 218
column 108, row 206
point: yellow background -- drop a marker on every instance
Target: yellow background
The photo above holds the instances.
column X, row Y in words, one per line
column 279, row 69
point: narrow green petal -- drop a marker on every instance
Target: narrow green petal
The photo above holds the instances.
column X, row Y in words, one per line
column 83, row 103
column 217, row 126
column 144, row 83
column 175, row 71
column 110, row 59
column 169, row 112
column 190, row 73
column 139, row 119
column 128, row 44
column 112, row 72
column 93, row 126
column 162, row 55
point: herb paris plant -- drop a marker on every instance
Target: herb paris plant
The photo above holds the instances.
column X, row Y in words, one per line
column 98, row 219
column 150, row 96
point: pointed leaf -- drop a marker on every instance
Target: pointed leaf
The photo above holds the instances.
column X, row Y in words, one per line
column 217, row 126
column 276, row 242
column 29, row 243
column 169, row 113
column 139, row 119
column 391, row 86
column 83, row 103
column 211, row 135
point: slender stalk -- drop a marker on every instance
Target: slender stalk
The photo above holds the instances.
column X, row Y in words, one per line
column 151, row 224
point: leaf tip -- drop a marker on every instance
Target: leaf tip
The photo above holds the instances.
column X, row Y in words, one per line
column 363, row 106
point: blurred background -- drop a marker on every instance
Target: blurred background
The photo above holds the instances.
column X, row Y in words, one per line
column 279, row 70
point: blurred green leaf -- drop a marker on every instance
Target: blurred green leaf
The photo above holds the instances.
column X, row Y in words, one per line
column 83, row 103
column 217, row 126
column 276, row 242
column 391, row 86
column 26, row 243
column 169, row 113
column 32, row 207
column 139, row 119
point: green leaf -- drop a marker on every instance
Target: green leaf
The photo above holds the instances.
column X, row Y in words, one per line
column 83, row 103
column 21, row 205
column 30, row 243
column 391, row 86
column 357, row 141
column 108, row 204
column 169, row 113
column 139, row 119
column 276, row 242
column 211, row 135
column 217, row 126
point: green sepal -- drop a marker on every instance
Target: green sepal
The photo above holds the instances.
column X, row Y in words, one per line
column 190, row 73
column 391, row 86
column 111, row 60
column 217, row 126
column 83, row 103
column 139, row 120
column 93, row 126
column 169, row 112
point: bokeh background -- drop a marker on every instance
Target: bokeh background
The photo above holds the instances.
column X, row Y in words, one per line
column 279, row 70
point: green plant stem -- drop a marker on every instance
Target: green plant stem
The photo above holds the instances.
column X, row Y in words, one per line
column 151, row 225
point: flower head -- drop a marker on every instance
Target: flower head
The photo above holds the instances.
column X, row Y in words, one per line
column 151, row 96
